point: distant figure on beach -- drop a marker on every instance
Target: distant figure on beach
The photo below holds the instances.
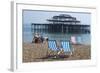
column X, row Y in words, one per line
column 46, row 38
column 37, row 35
column 73, row 39
column 42, row 39
column 37, row 38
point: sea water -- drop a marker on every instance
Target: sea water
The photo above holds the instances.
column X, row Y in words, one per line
column 81, row 38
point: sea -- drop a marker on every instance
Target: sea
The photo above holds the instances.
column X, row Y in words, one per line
column 80, row 38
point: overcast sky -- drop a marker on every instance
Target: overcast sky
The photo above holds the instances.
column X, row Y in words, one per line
column 30, row 16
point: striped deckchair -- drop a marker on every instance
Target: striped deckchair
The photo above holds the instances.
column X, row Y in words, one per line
column 52, row 45
column 66, row 46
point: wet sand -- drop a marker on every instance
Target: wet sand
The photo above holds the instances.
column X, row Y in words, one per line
column 38, row 52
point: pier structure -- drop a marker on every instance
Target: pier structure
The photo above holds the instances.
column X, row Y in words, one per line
column 62, row 23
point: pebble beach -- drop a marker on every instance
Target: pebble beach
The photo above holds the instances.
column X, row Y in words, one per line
column 36, row 52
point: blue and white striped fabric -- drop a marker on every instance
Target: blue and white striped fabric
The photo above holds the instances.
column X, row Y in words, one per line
column 52, row 44
column 66, row 46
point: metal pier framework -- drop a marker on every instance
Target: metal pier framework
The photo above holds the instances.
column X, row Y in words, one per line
column 62, row 23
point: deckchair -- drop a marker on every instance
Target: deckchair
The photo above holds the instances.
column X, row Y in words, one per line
column 66, row 46
column 52, row 45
